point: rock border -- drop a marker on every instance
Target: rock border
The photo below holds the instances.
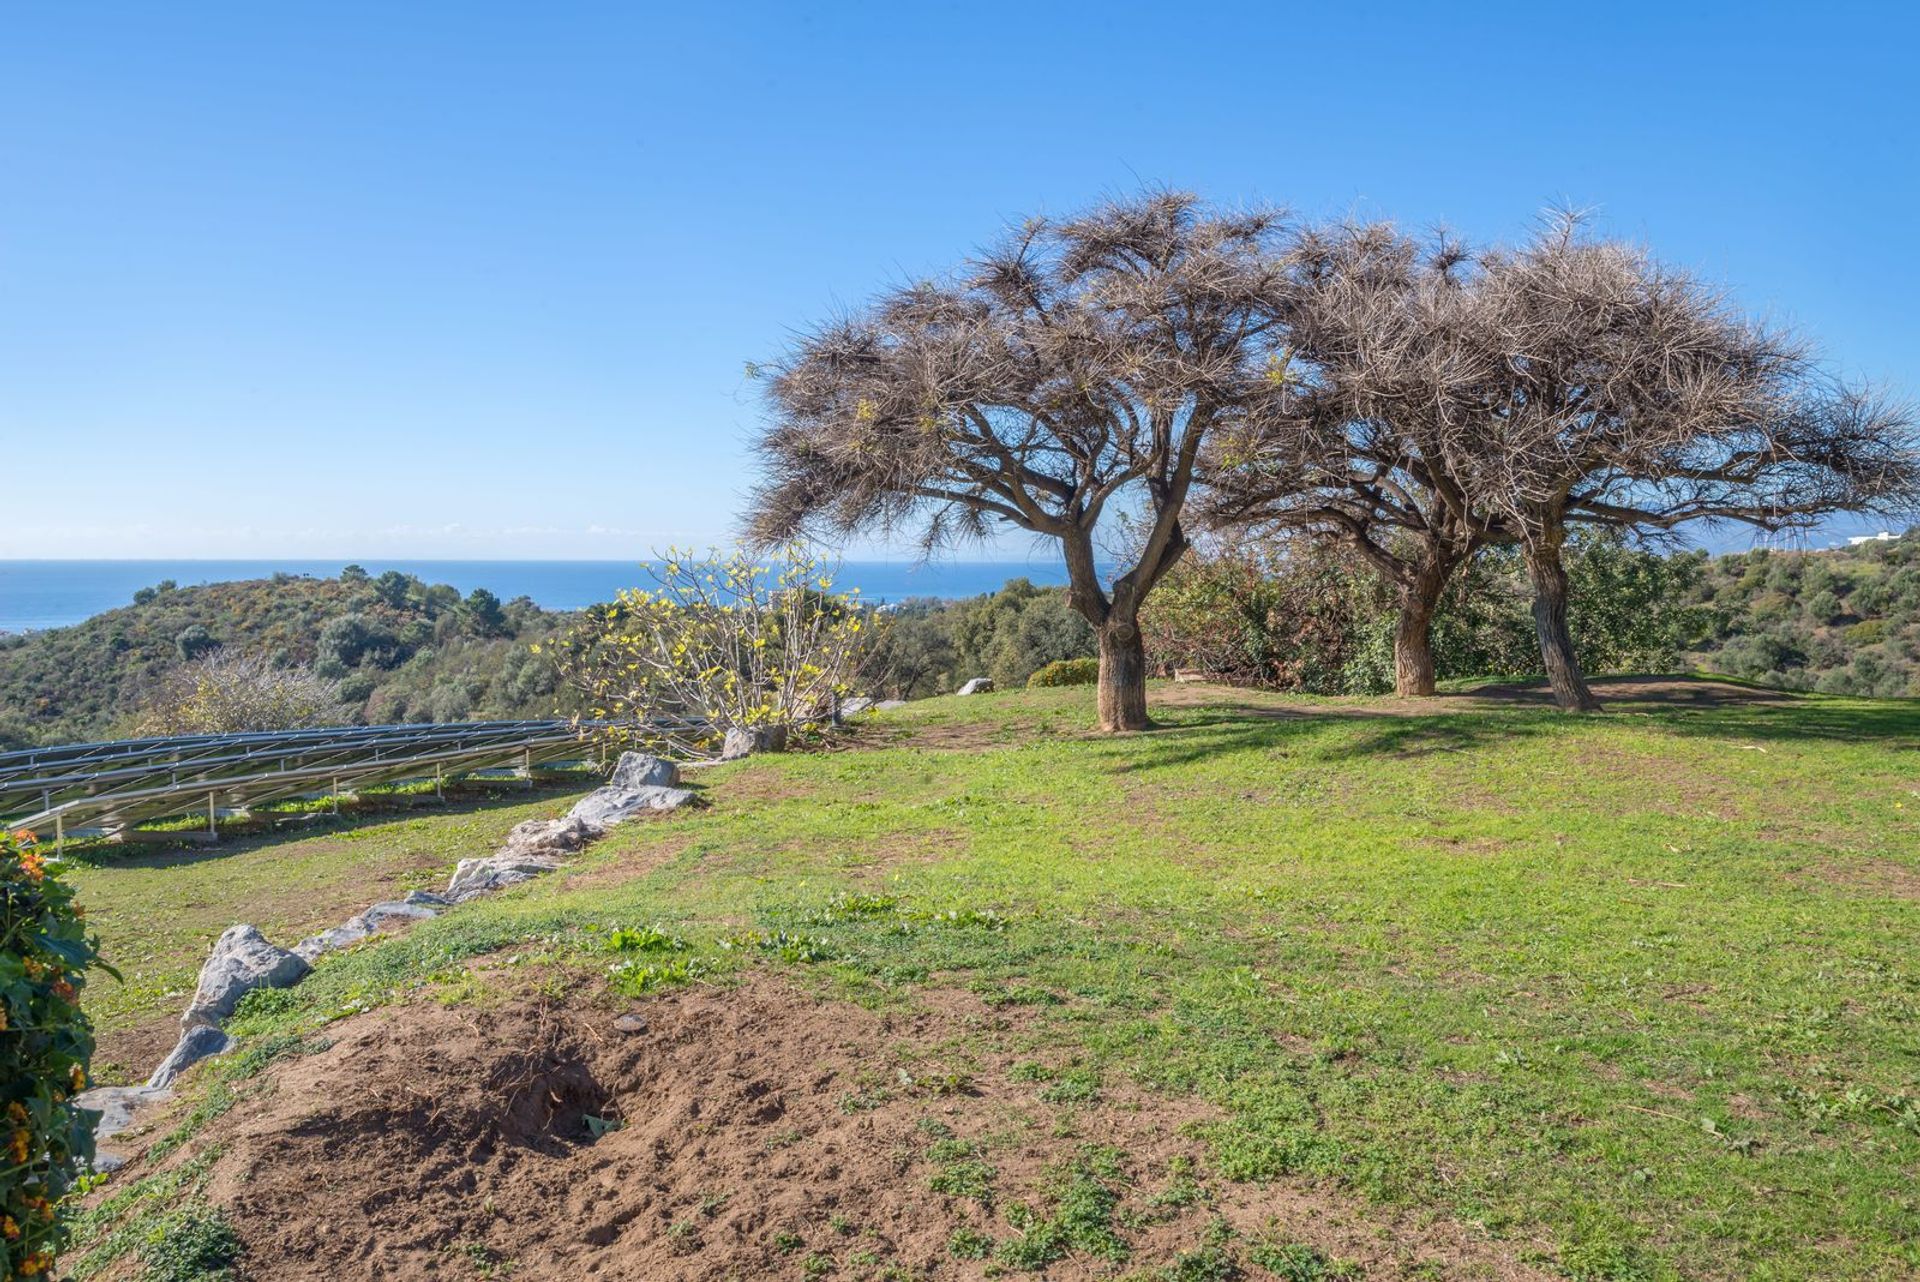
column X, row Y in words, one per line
column 243, row 959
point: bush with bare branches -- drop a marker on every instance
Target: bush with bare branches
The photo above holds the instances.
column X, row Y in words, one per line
column 227, row 693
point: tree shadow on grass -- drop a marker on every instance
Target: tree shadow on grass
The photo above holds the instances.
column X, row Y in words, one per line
column 1489, row 716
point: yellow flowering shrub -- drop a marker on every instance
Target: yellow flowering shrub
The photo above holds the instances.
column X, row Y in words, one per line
column 718, row 643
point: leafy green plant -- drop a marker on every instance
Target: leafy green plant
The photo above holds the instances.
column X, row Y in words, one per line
column 960, row 1171
column 1298, row 1262
column 969, row 1244
column 45, row 1052
column 643, row 939
column 1085, row 1199
column 192, row 1244
column 635, row 978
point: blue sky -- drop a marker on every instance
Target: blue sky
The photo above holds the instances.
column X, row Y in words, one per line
column 482, row 279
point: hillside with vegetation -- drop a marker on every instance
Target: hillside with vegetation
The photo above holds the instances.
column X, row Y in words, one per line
column 1284, row 615
column 394, row 649
column 1295, row 615
column 1841, row 621
column 1286, row 988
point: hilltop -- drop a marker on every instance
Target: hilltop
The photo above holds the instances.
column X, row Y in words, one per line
column 1285, row 988
column 401, row 650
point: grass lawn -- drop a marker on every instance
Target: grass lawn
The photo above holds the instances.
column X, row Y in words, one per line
column 1635, row 994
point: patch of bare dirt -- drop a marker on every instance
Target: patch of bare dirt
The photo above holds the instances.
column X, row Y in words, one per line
column 1869, row 876
column 760, row 1128
column 958, row 736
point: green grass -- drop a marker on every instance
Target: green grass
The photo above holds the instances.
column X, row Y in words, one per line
column 158, row 913
column 1640, row 988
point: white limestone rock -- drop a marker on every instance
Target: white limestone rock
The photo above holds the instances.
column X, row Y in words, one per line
column 242, row 960
column 202, row 1041
column 607, row 807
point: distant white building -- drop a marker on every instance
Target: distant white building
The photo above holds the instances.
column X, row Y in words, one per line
column 1885, row 536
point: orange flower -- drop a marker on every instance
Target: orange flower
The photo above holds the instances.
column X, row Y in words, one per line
column 64, row 991
column 78, row 1076
column 22, row 1145
column 17, row 1113
column 33, row 865
column 8, row 1229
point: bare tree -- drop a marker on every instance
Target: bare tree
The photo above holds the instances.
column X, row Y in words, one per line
column 1384, row 370
column 1070, row 373
column 1621, row 391
column 224, row 692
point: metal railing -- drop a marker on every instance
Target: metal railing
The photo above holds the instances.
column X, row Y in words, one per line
column 124, row 782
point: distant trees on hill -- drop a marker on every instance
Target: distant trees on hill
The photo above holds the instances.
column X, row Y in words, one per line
column 1294, row 614
column 1845, row 621
column 928, row 647
column 395, row 648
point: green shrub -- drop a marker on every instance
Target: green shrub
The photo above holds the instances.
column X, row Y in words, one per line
column 193, row 1244
column 1066, row 672
column 45, row 953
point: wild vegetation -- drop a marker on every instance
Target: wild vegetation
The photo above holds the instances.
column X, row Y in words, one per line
column 1291, row 614
column 1618, row 998
column 928, row 647
column 46, row 1045
column 397, row 650
column 1845, row 621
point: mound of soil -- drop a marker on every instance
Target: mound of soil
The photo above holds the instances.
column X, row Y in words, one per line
column 763, row 1133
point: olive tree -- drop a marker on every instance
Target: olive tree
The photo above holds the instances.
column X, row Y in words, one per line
column 1072, row 373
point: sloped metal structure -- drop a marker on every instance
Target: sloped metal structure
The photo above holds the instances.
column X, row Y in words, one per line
column 128, row 781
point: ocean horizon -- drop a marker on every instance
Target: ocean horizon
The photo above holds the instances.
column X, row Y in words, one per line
column 38, row 595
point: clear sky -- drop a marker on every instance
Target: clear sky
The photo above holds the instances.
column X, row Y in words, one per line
column 358, row 279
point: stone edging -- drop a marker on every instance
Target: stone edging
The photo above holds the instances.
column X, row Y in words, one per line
column 243, row 959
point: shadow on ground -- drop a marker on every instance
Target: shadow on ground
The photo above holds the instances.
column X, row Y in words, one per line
column 1225, row 719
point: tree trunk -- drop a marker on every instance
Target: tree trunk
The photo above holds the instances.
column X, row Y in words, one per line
column 1413, row 634
column 1123, row 676
column 1549, row 577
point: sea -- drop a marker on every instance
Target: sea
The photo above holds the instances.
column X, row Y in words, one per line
column 55, row 594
